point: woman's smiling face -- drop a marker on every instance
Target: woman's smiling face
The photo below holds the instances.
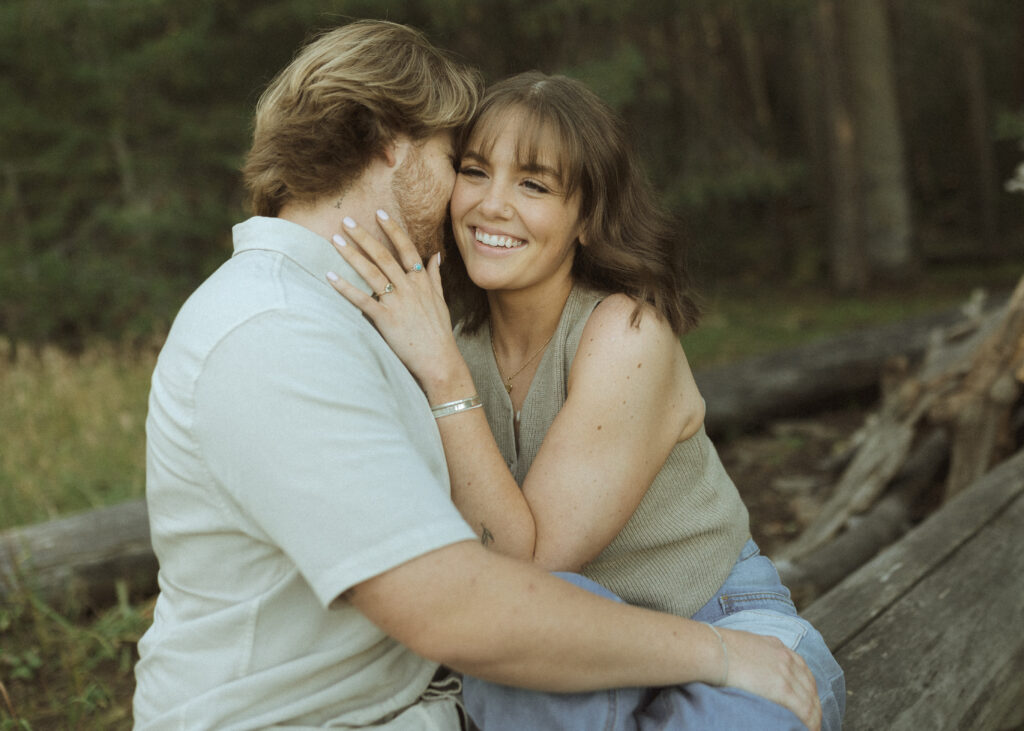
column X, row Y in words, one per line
column 513, row 224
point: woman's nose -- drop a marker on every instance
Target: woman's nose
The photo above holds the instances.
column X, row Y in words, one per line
column 495, row 202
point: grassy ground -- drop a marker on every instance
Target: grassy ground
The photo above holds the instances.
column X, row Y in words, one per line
column 72, row 429
column 73, row 438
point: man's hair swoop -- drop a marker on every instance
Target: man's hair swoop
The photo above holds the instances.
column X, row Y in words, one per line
column 341, row 101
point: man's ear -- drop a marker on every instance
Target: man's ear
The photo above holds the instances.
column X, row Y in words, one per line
column 395, row 151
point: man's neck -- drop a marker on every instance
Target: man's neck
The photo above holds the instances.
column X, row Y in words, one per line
column 359, row 202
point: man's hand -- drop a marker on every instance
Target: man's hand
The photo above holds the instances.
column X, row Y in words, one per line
column 766, row 667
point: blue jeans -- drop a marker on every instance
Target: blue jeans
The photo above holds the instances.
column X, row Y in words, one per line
column 751, row 599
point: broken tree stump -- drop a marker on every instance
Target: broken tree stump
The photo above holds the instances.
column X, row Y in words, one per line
column 969, row 383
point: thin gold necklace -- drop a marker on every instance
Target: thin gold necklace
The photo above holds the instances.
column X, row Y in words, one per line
column 508, row 380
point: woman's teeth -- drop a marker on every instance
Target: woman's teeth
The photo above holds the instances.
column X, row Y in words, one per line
column 502, row 241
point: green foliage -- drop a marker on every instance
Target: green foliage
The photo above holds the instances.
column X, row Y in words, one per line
column 21, row 666
column 1009, row 124
column 123, row 122
column 63, row 672
column 615, row 78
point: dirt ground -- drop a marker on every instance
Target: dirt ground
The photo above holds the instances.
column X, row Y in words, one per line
column 785, row 471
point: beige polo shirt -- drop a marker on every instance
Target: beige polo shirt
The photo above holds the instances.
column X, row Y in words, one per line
column 290, row 455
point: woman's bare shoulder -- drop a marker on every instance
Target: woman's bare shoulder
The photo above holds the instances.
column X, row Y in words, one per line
column 616, row 322
column 616, row 348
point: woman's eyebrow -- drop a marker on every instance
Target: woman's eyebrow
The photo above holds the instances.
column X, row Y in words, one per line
column 536, row 168
column 472, row 156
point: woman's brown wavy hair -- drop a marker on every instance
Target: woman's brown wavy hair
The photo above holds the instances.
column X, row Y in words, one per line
column 344, row 97
column 633, row 245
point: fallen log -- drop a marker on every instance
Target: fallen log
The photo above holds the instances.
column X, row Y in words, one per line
column 77, row 562
column 810, row 378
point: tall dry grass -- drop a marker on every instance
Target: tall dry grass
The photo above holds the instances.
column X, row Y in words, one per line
column 72, row 429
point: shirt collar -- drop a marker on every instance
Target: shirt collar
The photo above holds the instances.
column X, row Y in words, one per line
column 310, row 251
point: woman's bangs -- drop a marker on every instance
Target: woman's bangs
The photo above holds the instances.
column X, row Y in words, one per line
column 540, row 141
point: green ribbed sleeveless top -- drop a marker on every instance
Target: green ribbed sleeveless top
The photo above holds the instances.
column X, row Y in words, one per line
column 676, row 550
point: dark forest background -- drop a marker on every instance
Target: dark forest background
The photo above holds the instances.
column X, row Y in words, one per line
column 853, row 143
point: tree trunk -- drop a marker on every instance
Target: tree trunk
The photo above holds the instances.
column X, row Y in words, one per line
column 848, row 266
column 753, row 67
column 966, row 33
column 885, row 211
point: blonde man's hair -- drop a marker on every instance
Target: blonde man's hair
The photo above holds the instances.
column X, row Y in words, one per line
column 344, row 97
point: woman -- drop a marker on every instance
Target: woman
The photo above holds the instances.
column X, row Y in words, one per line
column 590, row 453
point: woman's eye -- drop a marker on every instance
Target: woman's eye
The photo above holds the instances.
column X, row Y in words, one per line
column 536, row 187
column 471, row 171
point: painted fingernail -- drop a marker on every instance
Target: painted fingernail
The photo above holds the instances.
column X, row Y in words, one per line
column 339, row 240
column 332, row 276
column 439, row 258
column 382, row 214
column 348, row 222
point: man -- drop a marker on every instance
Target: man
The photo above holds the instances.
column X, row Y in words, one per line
column 313, row 571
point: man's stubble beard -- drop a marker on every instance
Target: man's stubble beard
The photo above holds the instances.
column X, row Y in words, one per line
column 422, row 204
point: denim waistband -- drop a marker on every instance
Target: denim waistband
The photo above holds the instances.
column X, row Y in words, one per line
column 753, row 583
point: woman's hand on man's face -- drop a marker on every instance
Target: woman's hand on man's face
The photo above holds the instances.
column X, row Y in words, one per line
column 407, row 305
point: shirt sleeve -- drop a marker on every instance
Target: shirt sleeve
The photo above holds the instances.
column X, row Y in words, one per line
column 324, row 445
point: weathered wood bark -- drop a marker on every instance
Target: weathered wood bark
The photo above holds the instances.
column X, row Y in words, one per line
column 78, row 561
column 980, row 408
column 814, row 573
column 927, row 632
